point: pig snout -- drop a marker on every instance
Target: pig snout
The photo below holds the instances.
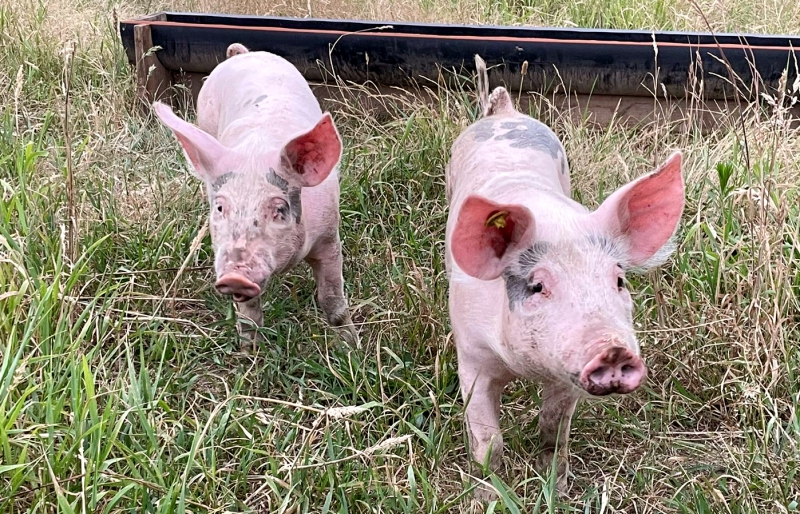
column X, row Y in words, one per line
column 238, row 286
column 614, row 370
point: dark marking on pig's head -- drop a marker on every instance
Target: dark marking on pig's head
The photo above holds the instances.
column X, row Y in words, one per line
column 220, row 181
column 277, row 181
column 518, row 287
column 606, row 245
column 292, row 193
column 531, row 256
column 295, row 205
column 483, row 130
column 262, row 97
column 529, row 133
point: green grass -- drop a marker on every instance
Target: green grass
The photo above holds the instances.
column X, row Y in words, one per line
column 123, row 389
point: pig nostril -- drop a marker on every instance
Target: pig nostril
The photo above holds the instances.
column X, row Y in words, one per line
column 598, row 374
column 627, row 368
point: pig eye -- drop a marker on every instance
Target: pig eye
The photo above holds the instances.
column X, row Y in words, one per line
column 536, row 288
column 280, row 210
column 219, row 207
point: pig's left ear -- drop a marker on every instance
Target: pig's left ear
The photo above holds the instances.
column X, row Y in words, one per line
column 646, row 212
column 310, row 157
column 486, row 235
column 202, row 150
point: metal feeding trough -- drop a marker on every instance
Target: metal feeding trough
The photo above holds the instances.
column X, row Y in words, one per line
column 609, row 73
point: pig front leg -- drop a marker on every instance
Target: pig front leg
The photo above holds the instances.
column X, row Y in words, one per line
column 482, row 383
column 253, row 316
column 558, row 406
column 326, row 263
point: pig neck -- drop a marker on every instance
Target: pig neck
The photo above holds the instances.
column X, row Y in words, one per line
column 556, row 215
column 251, row 133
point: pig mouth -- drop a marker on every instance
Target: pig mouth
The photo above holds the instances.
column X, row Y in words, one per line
column 237, row 286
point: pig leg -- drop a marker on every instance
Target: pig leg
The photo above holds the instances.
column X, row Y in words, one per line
column 481, row 390
column 558, row 406
column 326, row 264
column 254, row 317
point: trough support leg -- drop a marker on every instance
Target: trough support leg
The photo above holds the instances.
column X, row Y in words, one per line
column 153, row 80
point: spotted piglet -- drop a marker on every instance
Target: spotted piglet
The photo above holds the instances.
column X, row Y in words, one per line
column 537, row 281
column 269, row 159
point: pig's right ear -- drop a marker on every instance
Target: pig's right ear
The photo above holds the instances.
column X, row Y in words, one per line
column 200, row 148
column 645, row 213
column 310, row 157
column 486, row 233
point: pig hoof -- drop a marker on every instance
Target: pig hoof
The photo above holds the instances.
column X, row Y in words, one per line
column 544, row 465
column 249, row 337
column 484, row 493
column 349, row 335
column 562, row 485
column 343, row 325
column 248, row 343
column 247, row 346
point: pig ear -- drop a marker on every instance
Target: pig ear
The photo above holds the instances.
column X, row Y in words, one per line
column 200, row 148
column 646, row 212
column 486, row 233
column 310, row 157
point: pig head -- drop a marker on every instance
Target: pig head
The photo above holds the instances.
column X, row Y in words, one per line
column 269, row 159
column 537, row 281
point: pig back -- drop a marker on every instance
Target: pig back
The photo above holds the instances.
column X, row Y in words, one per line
column 508, row 158
column 256, row 90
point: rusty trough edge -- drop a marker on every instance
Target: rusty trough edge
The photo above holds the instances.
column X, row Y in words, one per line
column 174, row 84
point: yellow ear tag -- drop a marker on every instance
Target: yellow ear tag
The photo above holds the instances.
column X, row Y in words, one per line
column 498, row 219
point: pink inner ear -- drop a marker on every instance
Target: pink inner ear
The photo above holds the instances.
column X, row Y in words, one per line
column 647, row 211
column 480, row 250
column 313, row 155
column 202, row 150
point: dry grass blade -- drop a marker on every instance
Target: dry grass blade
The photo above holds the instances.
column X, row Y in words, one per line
column 69, row 59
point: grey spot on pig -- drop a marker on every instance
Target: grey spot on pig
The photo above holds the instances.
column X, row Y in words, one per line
column 259, row 99
column 607, row 245
column 220, row 181
column 517, row 286
column 530, row 257
column 564, row 165
column 295, row 206
column 483, row 130
column 294, row 193
column 529, row 133
column 277, row 181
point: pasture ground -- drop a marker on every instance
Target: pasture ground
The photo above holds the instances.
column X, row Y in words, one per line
column 122, row 387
